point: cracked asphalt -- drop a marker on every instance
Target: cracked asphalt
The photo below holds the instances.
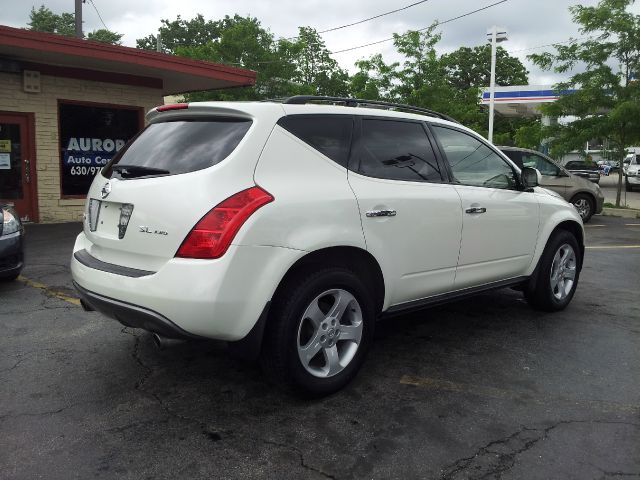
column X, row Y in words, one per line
column 484, row 388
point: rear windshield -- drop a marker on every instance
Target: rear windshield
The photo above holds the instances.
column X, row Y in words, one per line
column 182, row 146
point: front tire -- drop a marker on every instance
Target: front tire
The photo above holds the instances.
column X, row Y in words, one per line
column 558, row 272
column 319, row 331
column 584, row 205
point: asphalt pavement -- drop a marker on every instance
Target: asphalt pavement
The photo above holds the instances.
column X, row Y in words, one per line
column 481, row 388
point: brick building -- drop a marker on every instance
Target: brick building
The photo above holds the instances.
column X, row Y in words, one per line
column 67, row 105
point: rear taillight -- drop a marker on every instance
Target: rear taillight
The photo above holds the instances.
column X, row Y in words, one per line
column 213, row 234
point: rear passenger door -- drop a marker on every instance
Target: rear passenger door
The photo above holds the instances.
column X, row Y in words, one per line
column 411, row 217
column 500, row 221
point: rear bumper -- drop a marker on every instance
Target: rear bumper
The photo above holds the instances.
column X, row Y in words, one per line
column 599, row 203
column 219, row 299
column 131, row 315
column 11, row 254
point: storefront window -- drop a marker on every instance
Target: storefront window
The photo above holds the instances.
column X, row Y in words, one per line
column 89, row 136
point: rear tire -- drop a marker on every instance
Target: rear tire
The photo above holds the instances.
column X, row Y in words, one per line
column 585, row 206
column 557, row 274
column 10, row 278
column 319, row 331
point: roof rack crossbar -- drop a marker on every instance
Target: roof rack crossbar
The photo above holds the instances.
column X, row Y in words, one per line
column 355, row 102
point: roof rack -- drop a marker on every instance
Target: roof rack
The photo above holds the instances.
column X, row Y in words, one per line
column 358, row 102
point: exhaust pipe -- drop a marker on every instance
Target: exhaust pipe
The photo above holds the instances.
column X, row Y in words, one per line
column 164, row 342
column 86, row 307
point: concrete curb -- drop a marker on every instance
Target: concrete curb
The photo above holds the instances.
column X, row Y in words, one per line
column 621, row 212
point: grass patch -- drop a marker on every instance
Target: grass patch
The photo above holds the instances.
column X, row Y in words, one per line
column 612, row 205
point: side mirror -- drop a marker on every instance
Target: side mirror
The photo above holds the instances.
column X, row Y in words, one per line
column 530, row 177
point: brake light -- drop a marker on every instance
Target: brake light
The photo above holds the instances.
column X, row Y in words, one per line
column 213, row 234
column 172, row 106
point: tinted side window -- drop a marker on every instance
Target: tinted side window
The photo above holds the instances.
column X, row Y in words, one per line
column 397, row 151
column 472, row 162
column 329, row 134
column 546, row 167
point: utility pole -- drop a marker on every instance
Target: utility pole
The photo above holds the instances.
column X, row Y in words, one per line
column 494, row 35
column 78, row 17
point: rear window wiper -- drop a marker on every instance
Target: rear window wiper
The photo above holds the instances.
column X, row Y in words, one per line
column 129, row 171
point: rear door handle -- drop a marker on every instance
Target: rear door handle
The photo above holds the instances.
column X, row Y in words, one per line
column 476, row 210
column 381, row 213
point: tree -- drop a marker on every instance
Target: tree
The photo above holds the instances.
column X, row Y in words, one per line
column 419, row 80
column 470, row 68
column 44, row 20
column 374, row 80
column 529, row 135
column 421, row 76
column 105, row 36
column 439, row 83
column 242, row 42
column 315, row 73
column 182, row 33
column 302, row 66
column 468, row 71
column 606, row 103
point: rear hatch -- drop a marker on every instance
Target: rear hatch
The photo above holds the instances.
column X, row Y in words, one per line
column 144, row 203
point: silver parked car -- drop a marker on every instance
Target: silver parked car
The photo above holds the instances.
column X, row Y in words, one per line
column 586, row 196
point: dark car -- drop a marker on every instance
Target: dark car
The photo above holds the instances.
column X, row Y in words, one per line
column 11, row 244
column 608, row 166
column 583, row 169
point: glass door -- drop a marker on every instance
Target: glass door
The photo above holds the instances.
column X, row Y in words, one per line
column 15, row 165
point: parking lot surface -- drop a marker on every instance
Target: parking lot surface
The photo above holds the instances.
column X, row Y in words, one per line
column 481, row 388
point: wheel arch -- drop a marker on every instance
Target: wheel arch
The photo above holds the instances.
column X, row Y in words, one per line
column 572, row 226
column 356, row 259
column 576, row 230
column 589, row 194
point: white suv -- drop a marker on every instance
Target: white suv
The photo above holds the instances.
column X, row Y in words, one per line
column 289, row 228
column 632, row 172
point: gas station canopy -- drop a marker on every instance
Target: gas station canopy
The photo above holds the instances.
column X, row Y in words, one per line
column 522, row 100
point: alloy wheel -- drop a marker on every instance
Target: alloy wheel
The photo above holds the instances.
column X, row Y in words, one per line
column 329, row 333
column 563, row 271
column 583, row 206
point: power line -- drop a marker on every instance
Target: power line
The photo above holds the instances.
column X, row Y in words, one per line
column 403, row 35
column 369, row 19
column 99, row 16
column 422, row 29
column 571, row 40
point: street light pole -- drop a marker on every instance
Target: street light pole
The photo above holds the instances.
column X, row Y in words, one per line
column 495, row 35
